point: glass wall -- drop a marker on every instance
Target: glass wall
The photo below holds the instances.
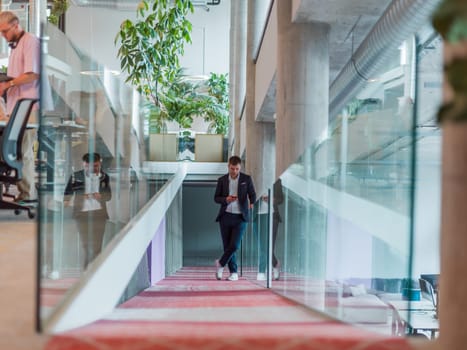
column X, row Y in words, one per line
column 91, row 153
column 357, row 224
column 255, row 264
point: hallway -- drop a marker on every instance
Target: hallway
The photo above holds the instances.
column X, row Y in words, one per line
column 193, row 310
column 188, row 310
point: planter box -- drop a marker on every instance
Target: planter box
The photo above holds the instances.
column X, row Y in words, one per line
column 163, row 147
column 209, row 147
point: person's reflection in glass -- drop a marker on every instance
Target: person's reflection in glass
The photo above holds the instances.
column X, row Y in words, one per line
column 276, row 220
column 261, row 228
column 87, row 191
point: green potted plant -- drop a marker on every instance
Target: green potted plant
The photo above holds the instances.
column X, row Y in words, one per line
column 215, row 111
column 57, row 10
column 149, row 54
column 183, row 100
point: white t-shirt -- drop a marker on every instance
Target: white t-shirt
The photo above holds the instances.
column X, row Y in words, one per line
column 233, row 207
column 91, row 185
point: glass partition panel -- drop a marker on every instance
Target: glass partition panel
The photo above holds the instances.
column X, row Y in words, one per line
column 256, row 242
column 92, row 147
column 359, row 220
column 427, row 196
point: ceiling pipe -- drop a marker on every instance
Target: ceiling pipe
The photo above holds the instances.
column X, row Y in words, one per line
column 399, row 20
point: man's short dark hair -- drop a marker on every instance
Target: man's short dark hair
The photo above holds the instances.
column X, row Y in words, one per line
column 235, row 160
column 92, row 157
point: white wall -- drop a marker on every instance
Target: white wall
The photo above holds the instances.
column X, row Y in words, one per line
column 211, row 30
column 94, row 29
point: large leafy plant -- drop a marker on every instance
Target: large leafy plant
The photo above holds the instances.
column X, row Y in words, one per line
column 149, row 54
column 150, row 47
column 217, row 112
column 182, row 100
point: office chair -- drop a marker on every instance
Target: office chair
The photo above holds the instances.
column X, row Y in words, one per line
column 428, row 291
column 11, row 164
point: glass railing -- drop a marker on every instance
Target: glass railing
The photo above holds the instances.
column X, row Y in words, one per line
column 91, row 153
column 255, row 263
column 358, row 222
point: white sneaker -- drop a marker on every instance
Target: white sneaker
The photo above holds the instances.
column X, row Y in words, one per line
column 219, row 271
column 261, row 276
column 233, row 277
column 276, row 273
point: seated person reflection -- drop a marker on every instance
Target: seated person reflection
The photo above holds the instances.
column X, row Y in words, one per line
column 91, row 190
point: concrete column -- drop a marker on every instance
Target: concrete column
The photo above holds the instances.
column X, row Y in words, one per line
column 452, row 284
column 302, row 98
column 237, row 68
column 260, row 136
column 37, row 14
column 232, row 73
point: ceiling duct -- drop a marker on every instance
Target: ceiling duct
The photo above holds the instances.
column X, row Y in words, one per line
column 401, row 18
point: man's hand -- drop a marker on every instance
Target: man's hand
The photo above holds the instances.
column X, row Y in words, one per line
column 231, row 199
column 4, row 87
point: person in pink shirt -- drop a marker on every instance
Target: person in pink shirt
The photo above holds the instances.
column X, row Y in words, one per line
column 24, row 68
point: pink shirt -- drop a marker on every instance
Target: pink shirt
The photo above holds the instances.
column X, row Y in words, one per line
column 24, row 58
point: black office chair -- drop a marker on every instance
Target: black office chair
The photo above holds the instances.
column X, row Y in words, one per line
column 11, row 164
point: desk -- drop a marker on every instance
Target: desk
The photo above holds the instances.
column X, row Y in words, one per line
column 420, row 320
column 413, row 316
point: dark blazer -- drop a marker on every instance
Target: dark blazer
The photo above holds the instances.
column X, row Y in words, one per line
column 76, row 186
column 246, row 194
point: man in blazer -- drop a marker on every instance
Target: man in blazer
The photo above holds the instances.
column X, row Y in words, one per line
column 236, row 194
column 90, row 190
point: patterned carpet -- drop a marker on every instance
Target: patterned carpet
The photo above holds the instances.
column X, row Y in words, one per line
column 192, row 310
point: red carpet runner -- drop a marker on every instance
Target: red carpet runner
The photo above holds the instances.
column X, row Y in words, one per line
column 192, row 310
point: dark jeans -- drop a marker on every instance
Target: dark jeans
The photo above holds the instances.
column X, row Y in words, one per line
column 275, row 225
column 232, row 228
